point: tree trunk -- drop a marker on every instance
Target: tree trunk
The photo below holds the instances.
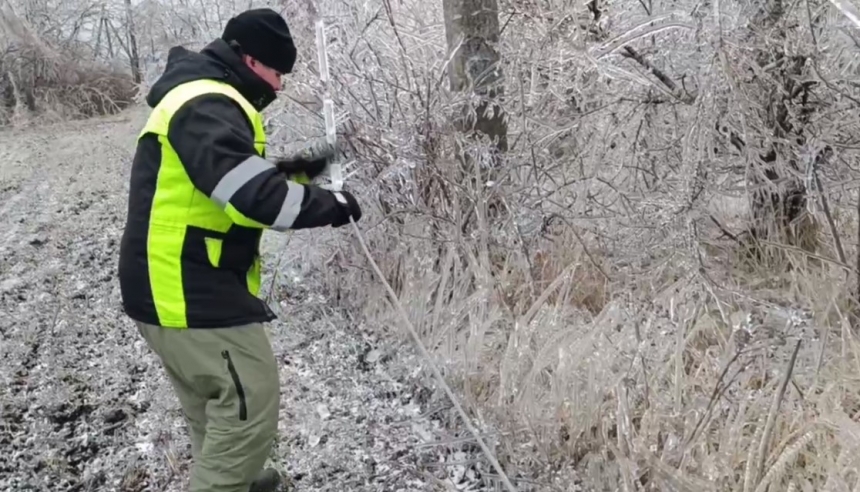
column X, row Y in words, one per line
column 133, row 55
column 779, row 202
column 107, row 26
column 472, row 29
column 472, row 32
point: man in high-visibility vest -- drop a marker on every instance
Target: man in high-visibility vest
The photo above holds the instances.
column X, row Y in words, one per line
column 201, row 194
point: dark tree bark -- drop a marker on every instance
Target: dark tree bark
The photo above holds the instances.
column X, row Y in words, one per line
column 472, row 29
column 133, row 54
column 779, row 197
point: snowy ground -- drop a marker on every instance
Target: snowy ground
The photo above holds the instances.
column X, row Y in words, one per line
column 84, row 406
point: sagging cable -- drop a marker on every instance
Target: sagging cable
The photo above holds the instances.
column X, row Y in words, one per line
column 336, row 177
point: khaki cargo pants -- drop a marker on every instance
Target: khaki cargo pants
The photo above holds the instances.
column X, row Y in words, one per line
column 227, row 383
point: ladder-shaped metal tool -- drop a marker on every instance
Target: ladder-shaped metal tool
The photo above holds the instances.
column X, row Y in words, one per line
column 335, row 169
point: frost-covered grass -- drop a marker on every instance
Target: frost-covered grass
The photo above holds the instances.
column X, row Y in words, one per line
column 47, row 79
column 603, row 323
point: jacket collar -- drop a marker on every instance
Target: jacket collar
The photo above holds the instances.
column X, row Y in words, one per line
column 253, row 88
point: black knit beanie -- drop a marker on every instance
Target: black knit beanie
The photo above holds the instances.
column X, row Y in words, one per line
column 264, row 35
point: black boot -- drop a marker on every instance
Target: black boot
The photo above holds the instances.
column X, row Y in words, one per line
column 269, row 480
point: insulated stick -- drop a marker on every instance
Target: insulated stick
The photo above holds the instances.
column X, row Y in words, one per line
column 335, row 172
column 337, row 184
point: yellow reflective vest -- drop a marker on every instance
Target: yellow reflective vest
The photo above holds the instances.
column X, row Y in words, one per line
column 201, row 193
column 187, row 233
column 177, row 204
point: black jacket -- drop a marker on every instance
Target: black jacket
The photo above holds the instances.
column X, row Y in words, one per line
column 211, row 135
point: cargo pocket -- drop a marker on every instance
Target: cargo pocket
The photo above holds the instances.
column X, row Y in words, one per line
column 240, row 391
column 213, row 250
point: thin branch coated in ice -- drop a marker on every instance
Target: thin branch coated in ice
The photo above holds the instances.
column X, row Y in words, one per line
column 848, row 10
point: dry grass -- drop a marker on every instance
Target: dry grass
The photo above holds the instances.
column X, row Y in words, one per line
column 594, row 316
column 52, row 81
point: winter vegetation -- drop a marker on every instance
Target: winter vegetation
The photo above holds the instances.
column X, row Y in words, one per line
column 626, row 231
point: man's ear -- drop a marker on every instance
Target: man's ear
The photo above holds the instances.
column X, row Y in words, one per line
column 249, row 60
column 236, row 47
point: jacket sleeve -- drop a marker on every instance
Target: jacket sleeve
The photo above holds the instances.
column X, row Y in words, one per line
column 215, row 142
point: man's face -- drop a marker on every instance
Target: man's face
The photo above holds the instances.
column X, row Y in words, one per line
column 270, row 75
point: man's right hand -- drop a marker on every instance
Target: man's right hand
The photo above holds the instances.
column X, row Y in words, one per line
column 297, row 166
column 348, row 208
column 308, row 163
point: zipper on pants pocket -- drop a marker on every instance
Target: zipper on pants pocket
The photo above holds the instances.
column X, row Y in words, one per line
column 243, row 408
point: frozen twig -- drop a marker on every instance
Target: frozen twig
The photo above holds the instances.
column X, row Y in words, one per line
column 774, row 410
column 630, row 52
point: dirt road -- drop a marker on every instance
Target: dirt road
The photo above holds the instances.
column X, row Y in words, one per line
column 83, row 404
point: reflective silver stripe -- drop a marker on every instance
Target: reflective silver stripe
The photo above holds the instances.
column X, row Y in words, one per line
column 291, row 207
column 237, row 177
column 340, row 198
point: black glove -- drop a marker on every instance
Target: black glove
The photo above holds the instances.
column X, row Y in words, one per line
column 308, row 163
column 311, row 168
column 348, row 207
